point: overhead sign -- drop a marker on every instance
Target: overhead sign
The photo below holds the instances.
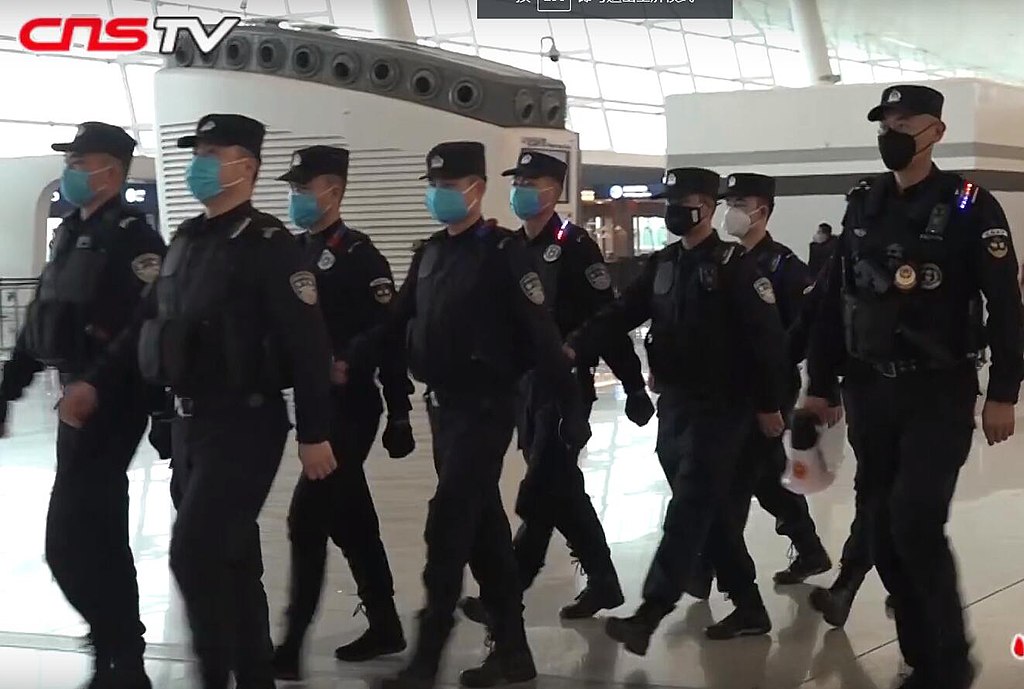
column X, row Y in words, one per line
column 629, row 191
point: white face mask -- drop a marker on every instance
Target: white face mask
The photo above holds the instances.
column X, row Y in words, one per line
column 737, row 222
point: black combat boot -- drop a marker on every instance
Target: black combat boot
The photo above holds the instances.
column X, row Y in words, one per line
column 502, row 666
column 474, row 610
column 601, row 593
column 834, row 603
column 421, row 672
column 635, row 632
column 808, row 562
column 286, row 662
column 743, row 621
column 384, row 637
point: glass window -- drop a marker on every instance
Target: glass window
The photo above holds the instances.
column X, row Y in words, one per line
column 140, row 83
column 706, row 85
column 780, row 38
column 788, row 67
column 634, row 132
column 531, row 63
column 421, row 15
column 590, row 124
column 579, row 78
column 649, row 234
column 676, row 83
column 713, row 57
column 570, row 34
column 65, row 89
column 887, row 74
column 742, row 27
column 707, row 27
column 753, row 60
column 450, row 16
column 459, row 48
column 625, row 44
column 522, row 34
column 849, row 51
column 669, row 48
column 856, row 72
column 20, row 140
column 629, row 85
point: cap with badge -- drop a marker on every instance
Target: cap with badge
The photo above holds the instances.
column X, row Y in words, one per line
column 743, row 184
column 314, row 161
column 456, row 159
column 100, row 137
column 681, row 181
column 227, row 130
column 534, row 164
column 910, row 99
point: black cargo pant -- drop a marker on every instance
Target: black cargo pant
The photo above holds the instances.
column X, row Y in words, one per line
column 856, row 559
column 912, row 434
column 87, row 523
column 700, row 448
column 226, row 456
column 553, row 493
column 339, row 508
column 466, row 522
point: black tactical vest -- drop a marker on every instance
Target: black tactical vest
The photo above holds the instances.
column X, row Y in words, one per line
column 908, row 292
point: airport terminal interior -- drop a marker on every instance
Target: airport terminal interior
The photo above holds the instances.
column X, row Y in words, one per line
column 777, row 87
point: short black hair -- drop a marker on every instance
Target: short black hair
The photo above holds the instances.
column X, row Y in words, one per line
column 825, row 227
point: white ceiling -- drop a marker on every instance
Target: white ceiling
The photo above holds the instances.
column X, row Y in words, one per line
column 984, row 35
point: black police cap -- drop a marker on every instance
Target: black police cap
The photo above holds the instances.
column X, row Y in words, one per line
column 742, row 184
column 227, row 130
column 314, row 161
column 100, row 137
column 911, row 99
column 455, row 159
column 534, row 164
column 680, row 181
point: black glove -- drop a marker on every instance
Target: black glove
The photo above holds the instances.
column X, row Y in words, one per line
column 639, row 408
column 574, row 430
column 397, row 438
column 160, row 436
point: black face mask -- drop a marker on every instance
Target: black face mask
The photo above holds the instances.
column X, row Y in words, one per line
column 899, row 148
column 680, row 220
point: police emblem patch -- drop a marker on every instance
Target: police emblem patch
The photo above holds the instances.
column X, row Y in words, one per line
column 436, row 162
column 296, row 160
column 326, row 261
column 731, row 182
column 383, row 290
column 998, row 247
column 894, row 97
column 860, row 231
column 598, row 276
column 532, row 288
column 209, row 126
column 525, row 160
column 552, row 253
column 304, row 285
column 931, row 276
column 763, row 287
column 906, row 277
column 670, row 179
column 146, row 267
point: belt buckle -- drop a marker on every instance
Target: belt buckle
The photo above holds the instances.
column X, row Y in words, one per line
column 179, row 407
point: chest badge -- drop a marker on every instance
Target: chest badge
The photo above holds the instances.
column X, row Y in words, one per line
column 84, row 242
column 326, row 261
column 860, row 231
column 763, row 287
column 552, row 253
column 532, row 288
column 931, row 276
column 906, row 277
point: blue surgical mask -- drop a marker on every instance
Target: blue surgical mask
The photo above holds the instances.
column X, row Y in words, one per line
column 74, row 186
column 203, row 177
column 525, row 202
column 447, row 206
column 304, row 209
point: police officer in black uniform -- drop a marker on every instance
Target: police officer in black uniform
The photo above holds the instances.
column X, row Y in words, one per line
column 84, row 321
column 717, row 353
column 553, row 495
column 355, row 285
column 901, row 320
column 473, row 307
column 237, row 321
column 820, row 250
column 751, row 201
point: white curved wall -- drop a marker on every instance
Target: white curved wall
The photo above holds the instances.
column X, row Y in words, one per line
column 388, row 140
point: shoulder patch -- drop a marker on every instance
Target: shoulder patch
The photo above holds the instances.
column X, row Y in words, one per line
column 763, row 287
column 532, row 288
column 383, row 289
column 598, row 276
column 146, row 267
column 304, row 285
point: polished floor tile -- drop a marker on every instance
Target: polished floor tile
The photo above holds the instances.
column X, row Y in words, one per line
column 40, row 645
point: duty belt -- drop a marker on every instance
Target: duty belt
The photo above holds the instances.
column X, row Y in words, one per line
column 894, row 369
column 187, row 407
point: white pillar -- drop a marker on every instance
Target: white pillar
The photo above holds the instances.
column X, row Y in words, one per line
column 393, row 20
column 811, row 33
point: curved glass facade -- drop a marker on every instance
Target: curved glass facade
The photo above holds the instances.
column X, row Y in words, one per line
column 617, row 73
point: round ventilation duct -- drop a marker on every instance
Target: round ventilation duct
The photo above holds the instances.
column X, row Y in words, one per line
column 424, row 83
column 384, row 74
column 184, row 54
column 466, row 94
column 306, row 60
column 552, row 108
column 237, row 51
column 526, row 106
column 345, row 68
column 270, row 55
